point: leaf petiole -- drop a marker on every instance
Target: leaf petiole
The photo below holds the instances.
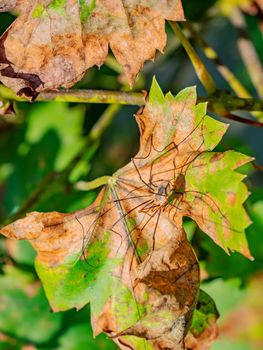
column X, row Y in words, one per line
column 91, row 185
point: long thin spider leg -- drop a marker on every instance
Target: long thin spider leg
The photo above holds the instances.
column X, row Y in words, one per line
column 181, row 166
column 91, row 230
column 139, row 174
column 217, row 208
column 83, row 247
column 129, row 212
column 156, row 160
column 150, row 149
column 134, row 228
column 155, row 229
column 81, row 214
column 189, row 159
column 129, row 183
column 122, row 218
column 176, row 206
column 151, row 183
column 165, row 151
column 192, row 131
column 208, row 220
column 172, row 143
column 162, row 151
column 141, row 230
column 187, row 136
column 92, row 227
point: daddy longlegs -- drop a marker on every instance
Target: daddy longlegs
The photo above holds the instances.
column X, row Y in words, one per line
column 167, row 195
column 159, row 194
column 151, row 186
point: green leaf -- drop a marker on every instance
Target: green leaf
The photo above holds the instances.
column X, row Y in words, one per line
column 81, row 281
column 24, row 311
column 50, row 138
column 80, row 337
column 22, row 252
column 205, row 313
column 64, row 121
column 156, row 95
column 86, row 9
column 226, row 294
column 219, row 264
column 219, row 208
column 228, row 344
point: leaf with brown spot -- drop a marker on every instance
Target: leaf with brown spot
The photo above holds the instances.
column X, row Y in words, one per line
column 58, row 41
column 127, row 253
column 171, row 275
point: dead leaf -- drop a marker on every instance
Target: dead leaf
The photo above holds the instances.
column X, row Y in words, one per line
column 52, row 43
column 171, row 275
column 127, row 253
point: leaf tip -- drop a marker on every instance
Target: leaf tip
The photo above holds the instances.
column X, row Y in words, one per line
column 246, row 252
column 188, row 94
column 156, row 94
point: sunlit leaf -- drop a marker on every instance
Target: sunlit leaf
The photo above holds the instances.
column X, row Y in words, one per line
column 58, row 41
column 127, row 253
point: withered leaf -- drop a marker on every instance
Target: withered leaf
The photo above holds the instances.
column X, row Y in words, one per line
column 127, row 253
column 53, row 43
column 172, row 277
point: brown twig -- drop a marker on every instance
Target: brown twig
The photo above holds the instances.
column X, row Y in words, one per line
column 236, row 118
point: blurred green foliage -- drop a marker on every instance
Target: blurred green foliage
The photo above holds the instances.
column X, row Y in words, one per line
column 43, row 139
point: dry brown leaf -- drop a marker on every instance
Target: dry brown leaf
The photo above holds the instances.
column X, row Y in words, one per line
column 52, row 43
column 204, row 340
column 171, row 275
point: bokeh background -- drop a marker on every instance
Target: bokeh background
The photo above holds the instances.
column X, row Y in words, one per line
column 39, row 142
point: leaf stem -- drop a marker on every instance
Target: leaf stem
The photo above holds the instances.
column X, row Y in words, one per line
column 200, row 69
column 81, row 96
column 230, row 77
column 248, row 52
column 232, row 103
column 91, row 185
column 212, row 55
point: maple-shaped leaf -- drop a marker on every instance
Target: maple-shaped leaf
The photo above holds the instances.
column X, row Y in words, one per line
column 53, row 43
column 127, row 253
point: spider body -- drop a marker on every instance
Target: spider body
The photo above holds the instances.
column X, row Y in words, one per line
column 178, row 189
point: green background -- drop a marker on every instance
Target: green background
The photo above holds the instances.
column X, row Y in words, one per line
column 43, row 138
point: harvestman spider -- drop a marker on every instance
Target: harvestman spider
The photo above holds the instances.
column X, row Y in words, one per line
column 162, row 195
column 168, row 195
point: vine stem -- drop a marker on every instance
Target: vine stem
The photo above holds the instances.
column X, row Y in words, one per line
column 81, row 96
column 229, row 76
column 201, row 71
column 221, row 97
column 212, row 55
column 218, row 101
